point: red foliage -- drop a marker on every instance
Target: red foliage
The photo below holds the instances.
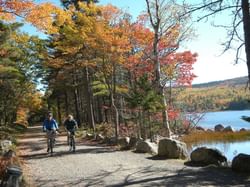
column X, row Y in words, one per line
column 183, row 64
column 173, row 113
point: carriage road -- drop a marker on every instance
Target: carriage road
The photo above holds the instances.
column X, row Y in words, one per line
column 93, row 165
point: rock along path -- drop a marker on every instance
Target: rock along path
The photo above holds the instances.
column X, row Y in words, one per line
column 102, row 166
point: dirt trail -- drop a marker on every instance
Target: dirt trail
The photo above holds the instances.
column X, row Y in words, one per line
column 101, row 166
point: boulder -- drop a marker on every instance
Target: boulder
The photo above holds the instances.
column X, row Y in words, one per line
column 228, row 129
column 100, row 137
column 123, row 142
column 6, row 145
column 199, row 128
column 90, row 136
column 132, row 142
column 206, row 156
column 9, row 154
column 243, row 130
column 146, row 147
column 218, row 128
column 209, row 130
column 170, row 148
column 110, row 140
column 241, row 163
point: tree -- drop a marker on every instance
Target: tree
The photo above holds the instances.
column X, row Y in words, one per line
column 40, row 15
column 113, row 45
column 18, row 72
column 75, row 3
column 169, row 30
column 238, row 13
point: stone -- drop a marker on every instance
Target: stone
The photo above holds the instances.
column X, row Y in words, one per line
column 146, row 147
column 9, row 154
column 170, row 148
column 6, row 145
column 199, row 128
column 243, row 130
column 218, row 128
column 228, row 129
column 89, row 136
column 209, row 130
column 132, row 142
column 123, row 142
column 99, row 137
column 206, row 156
column 241, row 163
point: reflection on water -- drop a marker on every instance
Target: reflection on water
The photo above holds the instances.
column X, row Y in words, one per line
column 229, row 149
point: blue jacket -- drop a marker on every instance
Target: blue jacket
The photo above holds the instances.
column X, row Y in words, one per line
column 50, row 125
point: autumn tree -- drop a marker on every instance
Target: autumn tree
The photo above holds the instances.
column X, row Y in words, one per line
column 75, row 3
column 19, row 64
column 169, row 30
column 39, row 15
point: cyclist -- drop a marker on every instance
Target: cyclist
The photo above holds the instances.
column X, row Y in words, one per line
column 71, row 126
column 50, row 127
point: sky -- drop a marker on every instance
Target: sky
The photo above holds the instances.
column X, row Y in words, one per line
column 211, row 64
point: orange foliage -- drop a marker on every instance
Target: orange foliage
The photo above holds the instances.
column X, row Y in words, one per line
column 40, row 15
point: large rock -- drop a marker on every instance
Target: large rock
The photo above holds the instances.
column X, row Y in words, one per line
column 206, row 156
column 228, row 129
column 6, row 145
column 199, row 128
column 241, row 163
column 171, row 148
column 243, row 130
column 218, row 128
column 123, row 142
column 100, row 137
column 132, row 142
column 146, row 147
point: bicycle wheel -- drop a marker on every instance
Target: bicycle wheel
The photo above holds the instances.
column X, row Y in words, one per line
column 51, row 143
column 73, row 143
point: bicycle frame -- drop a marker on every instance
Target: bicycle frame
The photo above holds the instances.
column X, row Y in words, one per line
column 51, row 135
column 71, row 138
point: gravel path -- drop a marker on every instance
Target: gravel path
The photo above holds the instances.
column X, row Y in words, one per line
column 101, row 166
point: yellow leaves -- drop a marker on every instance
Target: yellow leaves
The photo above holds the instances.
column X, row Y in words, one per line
column 41, row 16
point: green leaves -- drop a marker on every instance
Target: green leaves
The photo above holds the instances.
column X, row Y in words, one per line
column 144, row 96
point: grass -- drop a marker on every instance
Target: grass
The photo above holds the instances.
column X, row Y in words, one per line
column 200, row 137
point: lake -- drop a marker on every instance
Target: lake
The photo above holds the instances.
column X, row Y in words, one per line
column 233, row 118
column 225, row 118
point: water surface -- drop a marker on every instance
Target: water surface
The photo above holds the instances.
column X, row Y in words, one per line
column 225, row 118
column 232, row 118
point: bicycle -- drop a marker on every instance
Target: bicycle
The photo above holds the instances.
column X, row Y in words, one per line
column 71, row 138
column 51, row 135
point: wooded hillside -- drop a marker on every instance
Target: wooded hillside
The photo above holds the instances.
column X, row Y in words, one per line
column 214, row 96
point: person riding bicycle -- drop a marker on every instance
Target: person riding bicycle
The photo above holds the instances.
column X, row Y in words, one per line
column 50, row 127
column 71, row 126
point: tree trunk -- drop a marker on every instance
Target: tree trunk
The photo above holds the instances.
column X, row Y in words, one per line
column 246, row 27
column 165, row 115
column 157, row 66
column 99, row 110
column 116, row 115
column 59, row 114
column 89, row 100
column 66, row 102
column 76, row 99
